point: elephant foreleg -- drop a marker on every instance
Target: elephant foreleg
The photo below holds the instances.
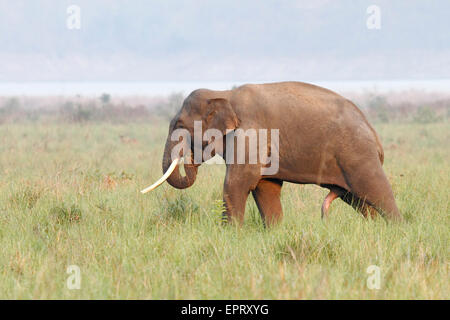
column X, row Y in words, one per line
column 239, row 181
column 267, row 198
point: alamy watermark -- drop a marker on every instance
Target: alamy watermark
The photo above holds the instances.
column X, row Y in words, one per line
column 374, row 278
column 373, row 21
column 73, row 21
column 262, row 146
column 74, row 280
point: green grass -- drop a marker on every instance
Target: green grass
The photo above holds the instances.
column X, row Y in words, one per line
column 69, row 195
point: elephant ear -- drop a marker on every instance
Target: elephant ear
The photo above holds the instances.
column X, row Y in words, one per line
column 220, row 115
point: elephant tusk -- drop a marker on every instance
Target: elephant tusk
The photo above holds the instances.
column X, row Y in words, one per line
column 163, row 178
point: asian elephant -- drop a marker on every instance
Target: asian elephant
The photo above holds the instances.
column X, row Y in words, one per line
column 323, row 139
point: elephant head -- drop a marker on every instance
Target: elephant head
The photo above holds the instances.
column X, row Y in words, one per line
column 200, row 107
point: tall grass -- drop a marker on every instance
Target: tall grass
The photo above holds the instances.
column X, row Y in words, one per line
column 69, row 195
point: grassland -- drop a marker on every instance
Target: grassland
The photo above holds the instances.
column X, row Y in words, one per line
column 69, row 195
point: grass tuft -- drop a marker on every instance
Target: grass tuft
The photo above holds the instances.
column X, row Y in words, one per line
column 66, row 215
column 25, row 198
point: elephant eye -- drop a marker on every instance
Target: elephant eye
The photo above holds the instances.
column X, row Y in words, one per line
column 179, row 125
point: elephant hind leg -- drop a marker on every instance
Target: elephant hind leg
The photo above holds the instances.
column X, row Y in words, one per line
column 359, row 205
column 371, row 189
column 267, row 197
column 349, row 198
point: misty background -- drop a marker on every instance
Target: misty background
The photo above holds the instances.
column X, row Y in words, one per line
column 136, row 60
column 199, row 40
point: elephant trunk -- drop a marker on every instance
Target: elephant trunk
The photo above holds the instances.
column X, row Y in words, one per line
column 175, row 179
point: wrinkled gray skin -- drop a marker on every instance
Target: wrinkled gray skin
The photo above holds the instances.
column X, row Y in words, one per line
column 324, row 139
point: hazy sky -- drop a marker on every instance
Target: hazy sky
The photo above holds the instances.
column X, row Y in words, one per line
column 159, row 40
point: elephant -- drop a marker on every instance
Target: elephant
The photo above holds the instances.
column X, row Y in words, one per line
column 324, row 139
